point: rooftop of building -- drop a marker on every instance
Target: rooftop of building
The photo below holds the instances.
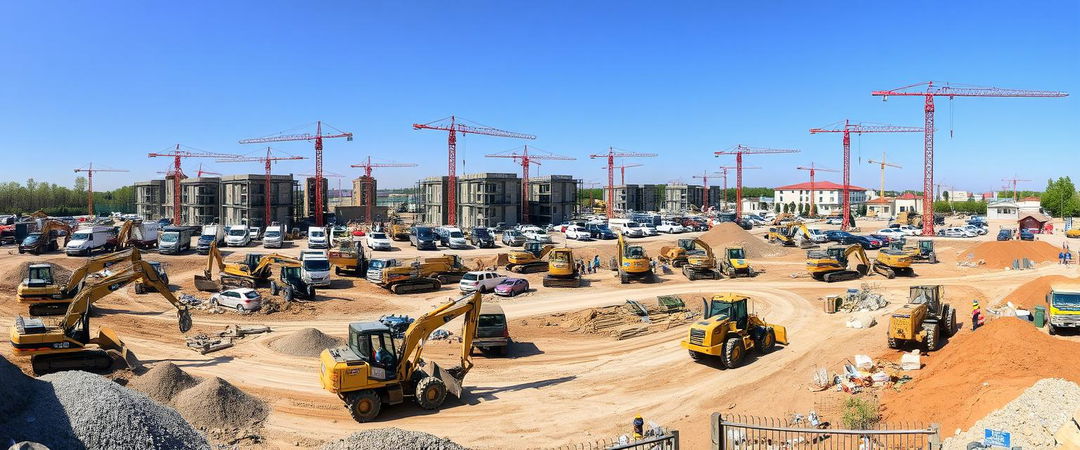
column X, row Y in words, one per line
column 819, row 186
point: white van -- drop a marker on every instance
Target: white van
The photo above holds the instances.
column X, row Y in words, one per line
column 316, row 238
column 315, row 268
column 274, row 236
column 85, row 241
column 238, row 236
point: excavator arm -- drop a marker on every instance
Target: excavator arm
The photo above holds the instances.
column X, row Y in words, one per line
column 213, row 258
column 271, row 260
column 706, row 247
column 859, row 253
column 123, row 237
column 55, row 225
column 546, row 250
column 418, row 332
column 98, row 263
column 620, row 250
column 140, row 271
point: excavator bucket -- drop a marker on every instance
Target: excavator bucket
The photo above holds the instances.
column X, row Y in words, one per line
column 206, row 284
column 453, row 385
column 110, row 342
column 781, row 333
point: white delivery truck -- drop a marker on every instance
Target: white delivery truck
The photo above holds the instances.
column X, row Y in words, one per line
column 274, row 236
column 317, row 238
column 86, row 240
column 174, row 240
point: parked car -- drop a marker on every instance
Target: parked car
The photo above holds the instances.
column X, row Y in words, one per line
column 378, row 241
column 423, row 238
column 845, row 238
column 956, row 232
column 908, row 230
column 976, row 229
column 670, row 228
column 600, row 231
column 511, row 287
column 632, row 229
column 1005, row 235
column 492, row 333
column 536, row 234
column 316, row 269
column 240, row 299
column 1027, row 235
column 577, row 233
column 513, row 238
column 481, row 238
column 892, row 233
column 817, row 236
column 875, row 242
column 484, row 281
column 238, row 236
column 254, row 233
column 834, row 221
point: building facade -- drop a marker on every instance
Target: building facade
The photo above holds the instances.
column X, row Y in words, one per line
column 827, row 196
column 309, row 197
column 243, row 198
column 552, row 199
column 639, row 197
column 150, row 199
column 227, row 200
column 488, row 199
column 680, row 198
column 362, row 188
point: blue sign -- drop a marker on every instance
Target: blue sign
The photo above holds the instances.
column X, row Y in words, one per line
column 997, row 438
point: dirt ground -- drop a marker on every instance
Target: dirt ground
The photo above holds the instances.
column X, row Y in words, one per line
column 560, row 385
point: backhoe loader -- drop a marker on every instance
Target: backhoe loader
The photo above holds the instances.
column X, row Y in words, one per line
column 890, row 263
column 530, row 258
column 562, row 272
column 831, row 264
column 375, row 368
column 632, row 262
column 68, row 345
column 46, row 239
column 700, row 261
column 729, row 330
column 256, row 268
column 734, row 263
column 925, row 319
column 48, row 298
column 786, row 235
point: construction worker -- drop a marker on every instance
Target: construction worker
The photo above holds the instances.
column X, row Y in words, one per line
column 977, row 318
column 596, row 262
column 639, row 427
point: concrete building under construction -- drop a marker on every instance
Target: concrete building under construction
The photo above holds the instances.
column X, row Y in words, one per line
column 150, row 199
column 243, row 197
column 639, row 197
column 228, row 200
column 681, row 197
column 488, row 199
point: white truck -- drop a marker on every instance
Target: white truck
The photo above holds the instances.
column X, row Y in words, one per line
column 274, row 236
column 174, row 240
column 238, row 236
column 86, row 240
column 316, row 268
column 209, row 235
column 317, row 238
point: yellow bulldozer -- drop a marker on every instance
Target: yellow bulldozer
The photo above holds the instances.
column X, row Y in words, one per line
column 377, row 367
column 46, row 297
column 734, row 263
column 790, row 235
column 729, row 330
column 68, row 345
column 530, row 258
column 632, row 263
column 562, row 272
column 831, row 264
column 255, row 269
column 926, row 319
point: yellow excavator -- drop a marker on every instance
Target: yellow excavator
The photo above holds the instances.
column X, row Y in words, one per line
column 831, row 264
column 786, row 235
column 729, row 330
column 562, row 272
column 46, row 297
column 921, row 251
column 890, row 263
column 256, row 268
column 68, row 345
column 376, row 367
column 530, row 258
column 926, row 319
column 632, row 262
column 700, row 261
column 427, row 275
column 676, row 254
column 734, row 263
column 46, row 239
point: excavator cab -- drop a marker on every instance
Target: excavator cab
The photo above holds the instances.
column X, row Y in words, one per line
column 376, row 345
column 732, row 309
column 736, row 253
column 39, row 275
column 251, row 260
column 534, row 247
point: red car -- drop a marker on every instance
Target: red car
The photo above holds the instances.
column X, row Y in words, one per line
column 511, row 287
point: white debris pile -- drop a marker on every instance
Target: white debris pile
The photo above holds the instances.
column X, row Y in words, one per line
column 1033, row 418
column 866, row 298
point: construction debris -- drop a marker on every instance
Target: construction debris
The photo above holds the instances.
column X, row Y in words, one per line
column 1033, row 418
column 865, row 298
column 861, row 319
column 204, row 343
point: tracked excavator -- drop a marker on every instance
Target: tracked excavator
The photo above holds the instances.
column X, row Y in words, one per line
column 377, row 368
column 68, row 345
column 46, row 297
column 729, row 330
column 676, row 254
column 921, row 251
column 256, row 268
column 787, row 235
column 562, row 272
column 700, row 261
column 831, row 264
column 632, row 262
column 890, row 263
column 530, row 258
column 46, row 239
column 427, row 275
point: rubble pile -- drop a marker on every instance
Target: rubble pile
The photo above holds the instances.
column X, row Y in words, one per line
column 382, row 438
column 1035, row 418
column 624, row 321
column 308, row 342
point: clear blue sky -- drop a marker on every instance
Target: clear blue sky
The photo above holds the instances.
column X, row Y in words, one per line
column 110, row 81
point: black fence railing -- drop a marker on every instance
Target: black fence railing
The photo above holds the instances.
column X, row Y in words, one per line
column 667, row 441
column 731, row 432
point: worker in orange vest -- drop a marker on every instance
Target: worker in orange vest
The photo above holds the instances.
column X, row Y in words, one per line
column 977, row 317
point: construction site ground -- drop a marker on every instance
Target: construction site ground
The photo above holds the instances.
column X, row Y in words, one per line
column 566, row 381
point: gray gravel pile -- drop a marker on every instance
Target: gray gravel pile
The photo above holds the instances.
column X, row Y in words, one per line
column 308, row 342
column 1032, row 418
column 214, row 404
column 384, row 438
column 83, row 410
column 163, row 382
column 15, row 388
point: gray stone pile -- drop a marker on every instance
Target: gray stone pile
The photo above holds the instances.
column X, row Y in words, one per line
column 1032, row 418
column 395, row 438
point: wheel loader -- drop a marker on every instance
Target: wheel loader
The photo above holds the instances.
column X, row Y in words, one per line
column 734, row 263
column 562, row 272
column 255, row 269
column 632, row 263
column 925, row 320
column 375, row 368
column 68, row 345
column 530, row 258
column 729, row 330
column 46, row 297
column 831, row 264
column 890, row 263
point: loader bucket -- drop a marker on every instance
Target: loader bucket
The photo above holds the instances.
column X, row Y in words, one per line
column 108, row 340
column 453, row 385
column 206, row 284
column 781, row 333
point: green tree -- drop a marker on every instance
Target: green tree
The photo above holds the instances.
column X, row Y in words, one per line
column 1060, row 198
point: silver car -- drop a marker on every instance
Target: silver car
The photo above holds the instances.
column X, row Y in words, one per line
column 240, row 299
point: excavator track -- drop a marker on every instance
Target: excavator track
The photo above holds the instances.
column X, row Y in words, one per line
column 570, row 282
column 88, row 360
column 539, row 266
column 842, row 275
column 48, row 309
column 416, row 285
column 885, row 271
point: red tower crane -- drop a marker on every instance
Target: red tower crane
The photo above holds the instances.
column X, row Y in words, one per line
column 847, row 128
column 525, row 158
column 318, row 138
column 367, row 166
column 739, row 151
column 178, row 173
column 202, row 172
column 89, row 170
column 813, row 169
column 452, row 126
column 611, row 155
column 267, row 160
column 928, row 90
column 724, row 173
column 622, row 171
column 705, row 190
column 1013, row 180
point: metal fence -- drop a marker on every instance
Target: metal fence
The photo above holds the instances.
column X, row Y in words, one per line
column 669, row 441
column 731, row 432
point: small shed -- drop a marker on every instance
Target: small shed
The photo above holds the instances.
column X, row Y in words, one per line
column 1033, row 222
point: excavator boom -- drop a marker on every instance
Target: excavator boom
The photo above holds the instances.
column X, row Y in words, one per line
column 421, row 329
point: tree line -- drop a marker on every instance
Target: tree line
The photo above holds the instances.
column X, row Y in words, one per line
column 56, row 200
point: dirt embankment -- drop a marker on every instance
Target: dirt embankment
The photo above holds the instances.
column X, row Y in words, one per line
column 978, row 372
column 1001, row 254
column 728, row 234
column 1033, row 293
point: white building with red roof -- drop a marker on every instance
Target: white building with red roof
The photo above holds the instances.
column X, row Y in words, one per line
column 827, row 196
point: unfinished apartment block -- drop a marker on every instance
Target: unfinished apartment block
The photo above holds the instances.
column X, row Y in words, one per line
column 552, row 199
column 243, row 197
column 488, row 199
column 638, row 197
column 226, row 200
column 150, row 199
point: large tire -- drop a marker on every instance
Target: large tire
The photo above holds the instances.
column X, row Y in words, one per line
column 950, row 320
column 274, row 288
column 287, row 293
column 893, row 343
column 933, row 258
column 933, row 337
column 1050, row 329
column 430, row 393
column 734, row 351
column 697, row 356
column 364, row 406
column 311, row 292
column 140, row 289
column 767, row 342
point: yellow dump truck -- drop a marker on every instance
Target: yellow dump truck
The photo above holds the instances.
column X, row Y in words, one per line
column 1063, row 307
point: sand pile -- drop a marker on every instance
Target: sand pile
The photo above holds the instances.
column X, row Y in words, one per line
column 15, row 276
column 216, row 404
column 978, row 372
column 163, row 382
column 1033, row 293
column 728, row 234
column 383, row 438
column 1000, row 254
column 308, row 342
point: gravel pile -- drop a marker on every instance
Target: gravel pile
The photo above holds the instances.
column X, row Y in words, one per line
column 308, row 342
column 1032, row 418
column 215, row 404
column 383, row 438
column 15, row 388
column 82, row 410
column 163, row 382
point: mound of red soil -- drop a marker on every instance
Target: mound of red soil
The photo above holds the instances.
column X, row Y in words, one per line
column 1001, row 254
column 1033, row 293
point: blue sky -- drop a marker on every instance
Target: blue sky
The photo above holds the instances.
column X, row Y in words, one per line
column 110, row 81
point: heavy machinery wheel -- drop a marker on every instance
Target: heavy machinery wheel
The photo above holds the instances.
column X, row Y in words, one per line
column 933, row 337
column 733, row 352
column 140, row 289
column 697, row 356
column 364, row 405
column 396, row 289
column 274, row 288
column 430, row 392
column 767, row 342
column 21, row 251
column 933, row 258
column 311, row 292
column 337, row 271
column 623, row 277
column 504, row 351
column 950, row 320
column 1050, row 329
column 287, row 294
column 893, row 343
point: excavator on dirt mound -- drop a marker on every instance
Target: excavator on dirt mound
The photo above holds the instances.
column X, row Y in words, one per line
column 376, row 367
column 729, row 330
column 831, row 264
column 926, row 319
column 46, row 239
column 530, row 258
column 46, row 297
column 68, row 345
column 256, row 268
column 562, row 272
column 632, row 262
column 790, row 235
